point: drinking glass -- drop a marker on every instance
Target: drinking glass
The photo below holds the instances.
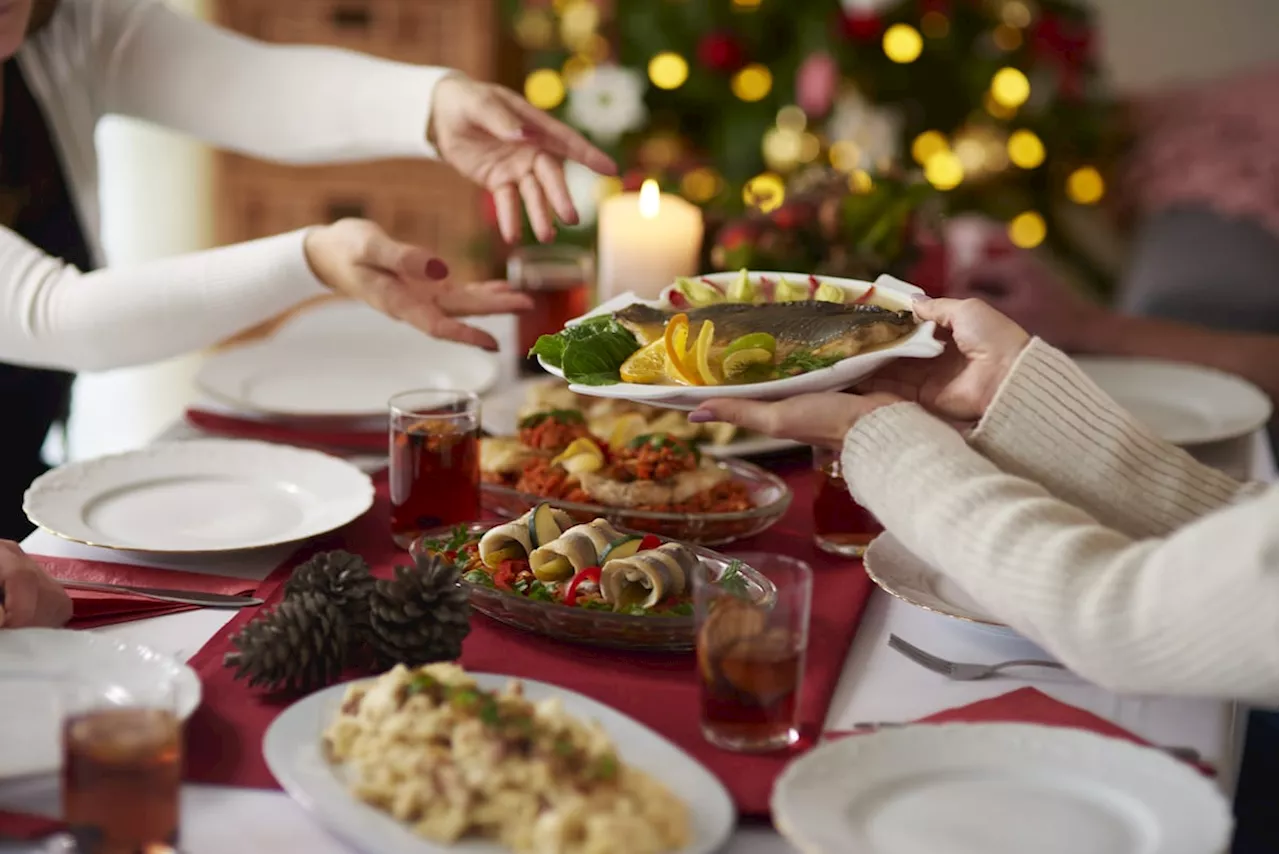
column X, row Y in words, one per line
column 435, row 461
column 841, row 526
column 751, row 655
column 560, row 280
column 121, row 765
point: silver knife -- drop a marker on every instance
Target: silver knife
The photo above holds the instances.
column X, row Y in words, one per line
column 182, row 597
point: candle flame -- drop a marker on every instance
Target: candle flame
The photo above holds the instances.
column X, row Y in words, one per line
column 649, row 199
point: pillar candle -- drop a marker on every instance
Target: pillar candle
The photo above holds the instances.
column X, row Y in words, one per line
column 645, row 240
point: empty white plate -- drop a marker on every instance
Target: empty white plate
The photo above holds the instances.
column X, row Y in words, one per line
column 201, row 495
column 291, row 748
column 341, row 375
column 996, row 789
column 1183, row 404
column 32, row 663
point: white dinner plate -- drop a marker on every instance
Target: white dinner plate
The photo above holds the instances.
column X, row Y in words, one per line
column 33, row 664
column 996, row 789
column 199, row 495
column 900, row 573
column 1183, row 404
column 920, row 344
column 291, row 748
column 501, row 417
column 340, row 375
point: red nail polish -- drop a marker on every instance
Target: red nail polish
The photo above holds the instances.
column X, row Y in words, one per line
column 437, row 269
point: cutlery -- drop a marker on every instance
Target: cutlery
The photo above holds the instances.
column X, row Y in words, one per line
column 182, row 597
column 960, row 671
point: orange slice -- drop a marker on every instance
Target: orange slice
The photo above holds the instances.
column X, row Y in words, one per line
column 676, row 339
column 702, row 354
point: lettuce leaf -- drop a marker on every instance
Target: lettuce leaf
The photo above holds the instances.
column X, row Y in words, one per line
column 589, row 353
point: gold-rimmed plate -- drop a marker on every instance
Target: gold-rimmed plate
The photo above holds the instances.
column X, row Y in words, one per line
column 199, row 496
column 900, row 573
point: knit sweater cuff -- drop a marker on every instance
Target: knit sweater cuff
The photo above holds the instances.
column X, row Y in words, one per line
column 400, row 104
column 892, row 443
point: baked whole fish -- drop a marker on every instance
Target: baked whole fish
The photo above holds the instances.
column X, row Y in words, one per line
column 826, row 329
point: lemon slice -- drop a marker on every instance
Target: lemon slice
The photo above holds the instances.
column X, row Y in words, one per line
column 676, row 340
column 741, row 289
column 645, row 365
column 752, row 341
column 735, row 364
column 626, row 428
column 702, row 353
column 786, row 291
column 582, row 455
column 827, row 292
column 698, row 293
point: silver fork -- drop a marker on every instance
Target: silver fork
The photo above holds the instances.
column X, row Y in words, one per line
column 959, row 671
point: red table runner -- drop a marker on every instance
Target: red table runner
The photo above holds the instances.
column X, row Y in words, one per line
column 658, row 689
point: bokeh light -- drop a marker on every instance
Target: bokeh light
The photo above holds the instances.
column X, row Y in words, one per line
column 1010, row 87
column 668, row 70
column 1015, row 13
column 944, row 170
column 575, row 68
column 1027, row 230
column 845, row 156
column 1025, row 149
column 1085, row 186
column 792, row 118
column 578, row 22
column 534, row 29
column 764, row 192
column 935, row 25
column 810, row 148
column 926, row 145
column 700, row 185
column 752, row 83
column 1006, row 37
column 544, row 89
column 997, row 110
column 902, row 43
column 860, row 181
column 781, row 149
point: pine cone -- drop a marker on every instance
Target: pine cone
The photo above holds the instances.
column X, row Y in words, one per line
column 300, row 645
column 421, row 615
column 341, row 577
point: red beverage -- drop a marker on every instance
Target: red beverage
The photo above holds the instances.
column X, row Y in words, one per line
column 558, row 278
column 840, row 525
column 554, row 303
column 435, row 477
column 122, row 770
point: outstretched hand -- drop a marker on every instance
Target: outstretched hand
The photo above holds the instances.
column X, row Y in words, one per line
column 812, row 419
column 28, row 596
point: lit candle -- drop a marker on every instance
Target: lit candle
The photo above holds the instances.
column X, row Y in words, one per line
column 645, row 241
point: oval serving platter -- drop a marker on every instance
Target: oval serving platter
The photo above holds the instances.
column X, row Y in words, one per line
column 592, row 627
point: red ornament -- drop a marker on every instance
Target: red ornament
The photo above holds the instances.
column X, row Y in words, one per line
column 737, row 234
column 942, row 7
column 861, row 26
column 792, row 216
column 632, row 180
column 1068, row 42
column 720, row 52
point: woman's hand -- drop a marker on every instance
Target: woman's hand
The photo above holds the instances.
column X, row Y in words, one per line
column 511, row 148
column 959, row 384
column 28, row 597
column 356, row 258
column 812, row 419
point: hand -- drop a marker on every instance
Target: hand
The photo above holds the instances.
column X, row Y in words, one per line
column 511, row 148
column 959, row 384
column 1021, row 286
column 29, row 597
column 812, row 419
column 356, row 258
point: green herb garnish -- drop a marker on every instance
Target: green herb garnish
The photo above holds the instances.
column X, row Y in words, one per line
column 421, row 683
column 804, row 361
column 563, row 747
column 733, row 580
column 478, row 576
column 561, row 416
column 589, row 353
column 605, row 767
column 684, row 609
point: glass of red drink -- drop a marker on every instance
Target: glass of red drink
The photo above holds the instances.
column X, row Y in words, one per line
column 122, row 766
column 751, row 655
column 435, row 461
column 841, row 525
column 560, row 279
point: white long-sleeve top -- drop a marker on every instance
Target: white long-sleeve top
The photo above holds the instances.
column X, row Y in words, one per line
column 140, row 58
column 1141, row 569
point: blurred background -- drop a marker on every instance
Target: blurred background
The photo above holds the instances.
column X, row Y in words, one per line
column 731, row 104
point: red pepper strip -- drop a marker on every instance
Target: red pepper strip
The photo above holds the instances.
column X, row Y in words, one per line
column 591, row 573
column 866, row 296
column 649, row 541
column 678, row 300
column 814, row 284
column 712, row 285
column 505, row 575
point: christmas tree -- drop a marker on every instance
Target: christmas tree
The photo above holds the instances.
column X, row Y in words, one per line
column 996, row 102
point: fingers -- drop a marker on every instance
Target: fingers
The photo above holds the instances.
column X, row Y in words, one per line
column 545, row 132
column 748, row 414
column 535, row 203
column 21, row 594
column 506, row 204
column 495, row 297
column 550, row 174
column 496, row 115
column 941, row 311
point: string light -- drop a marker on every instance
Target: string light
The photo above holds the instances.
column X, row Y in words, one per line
column 1085, row 186
column 578, row 22
column 544, row 89
column 935, row 25
column 668, row 70
column 764, row 192
column 1006, row 37
column 781, row 149
column 700, row 185
column 792, row 118
column 971, row 153
column 574, row 68
column 845, row 156
column 752, row 83
column 1010, row 87
column 902, row 43
column 926, row 145
column 1025, row 149
column 997, row 110
column 1015, row 13
column 1027, row 230
column 534, row 29
column 810, row 148
column 860, row 181
column 597, row 48
column 944, row 170
column 746, row 4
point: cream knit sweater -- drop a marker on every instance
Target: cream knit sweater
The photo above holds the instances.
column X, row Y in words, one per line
column 1141, row 569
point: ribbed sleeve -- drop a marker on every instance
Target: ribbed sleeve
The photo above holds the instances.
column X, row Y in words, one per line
column 1050, row 423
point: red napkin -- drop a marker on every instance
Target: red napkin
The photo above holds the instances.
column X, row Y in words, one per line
column 91, row 608
column 290, row 434
column 1031, row 706
column 25, row 827
column 658, row 689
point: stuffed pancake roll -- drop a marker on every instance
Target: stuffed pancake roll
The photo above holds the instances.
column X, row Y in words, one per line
column 514, row 540
column 573, row 551
column 643, row 579
column 686, row 562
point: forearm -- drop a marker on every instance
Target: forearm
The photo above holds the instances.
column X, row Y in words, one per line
column 53, row 316
column 1248, row 355
column 1192, row 614
column 297, row 104
column 1051, row 424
